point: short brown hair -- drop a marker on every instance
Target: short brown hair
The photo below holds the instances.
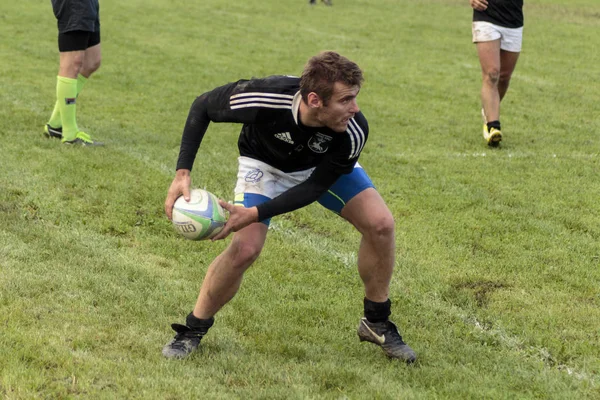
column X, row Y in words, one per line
column 322, row 71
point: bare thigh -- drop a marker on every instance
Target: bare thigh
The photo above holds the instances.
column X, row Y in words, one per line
column 489, row 56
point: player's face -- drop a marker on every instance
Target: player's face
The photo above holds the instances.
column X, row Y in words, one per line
column 341, row 107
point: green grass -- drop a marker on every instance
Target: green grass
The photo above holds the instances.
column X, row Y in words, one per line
column 498, row 269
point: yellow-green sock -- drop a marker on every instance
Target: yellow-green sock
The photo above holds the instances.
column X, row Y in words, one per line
column 81, row 80
column 55, row 119
column 66, row 95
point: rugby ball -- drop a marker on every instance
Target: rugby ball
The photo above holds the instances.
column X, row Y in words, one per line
column 199, row 219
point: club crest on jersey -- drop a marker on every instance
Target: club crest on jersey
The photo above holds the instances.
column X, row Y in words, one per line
column 70, row 100
column 254, row 175
column 319, row 142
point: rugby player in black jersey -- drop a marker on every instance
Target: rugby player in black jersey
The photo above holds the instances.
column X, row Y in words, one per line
column 498, row 34
column 300, row 142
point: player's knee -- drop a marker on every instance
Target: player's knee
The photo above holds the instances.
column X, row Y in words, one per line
column 245, row 252
column 382, row 226
column 72, row 68
column 504, row 78
column 492, row 76
column 95, row 65
column 91, row 68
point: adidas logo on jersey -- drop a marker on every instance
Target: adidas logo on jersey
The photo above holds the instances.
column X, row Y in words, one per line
column 285, row 136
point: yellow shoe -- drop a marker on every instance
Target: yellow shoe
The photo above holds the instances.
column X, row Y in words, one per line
column 83, row 139
column 492, row 137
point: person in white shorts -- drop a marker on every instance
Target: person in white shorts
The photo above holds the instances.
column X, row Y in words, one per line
column 497, row 33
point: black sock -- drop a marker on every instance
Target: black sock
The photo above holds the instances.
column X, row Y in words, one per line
column 377, row 312
column 493, row 124
column 198, row 324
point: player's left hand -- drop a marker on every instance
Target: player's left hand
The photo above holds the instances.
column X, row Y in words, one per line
column 479, row 5
column 239, row 218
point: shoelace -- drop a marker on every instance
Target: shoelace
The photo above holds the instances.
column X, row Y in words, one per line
column 396, row 339
column 180, row 341
column 394, row 336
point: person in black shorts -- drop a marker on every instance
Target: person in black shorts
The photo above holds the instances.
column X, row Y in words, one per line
column 498, row 33
column 300, row 142
column 79, row 47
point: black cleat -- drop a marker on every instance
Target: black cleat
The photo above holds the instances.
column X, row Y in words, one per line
column 183, row 344
column 186, row 340
column 386, row 335
column 51, row 132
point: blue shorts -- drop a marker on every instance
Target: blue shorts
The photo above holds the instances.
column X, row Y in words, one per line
column 341, row 192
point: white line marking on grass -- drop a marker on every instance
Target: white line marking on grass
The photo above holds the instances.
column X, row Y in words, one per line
column 538, row 353
column 533, row 80
column 326, row 34
column 146, row 160
column 318, row 243
column 230, row 14
column 572, row 156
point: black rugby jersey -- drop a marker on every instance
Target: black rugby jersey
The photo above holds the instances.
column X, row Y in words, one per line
column 506, row 13
column 272, row 133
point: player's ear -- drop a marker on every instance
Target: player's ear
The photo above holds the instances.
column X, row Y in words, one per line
column 314, row 101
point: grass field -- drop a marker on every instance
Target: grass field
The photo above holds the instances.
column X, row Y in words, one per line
column 497, row 285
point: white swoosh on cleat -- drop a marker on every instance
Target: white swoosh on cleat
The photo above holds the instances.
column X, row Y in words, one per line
column 380, row 339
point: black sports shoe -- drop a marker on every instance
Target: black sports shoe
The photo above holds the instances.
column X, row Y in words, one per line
column 186, row 340
column 386, row 335
column 51, row 132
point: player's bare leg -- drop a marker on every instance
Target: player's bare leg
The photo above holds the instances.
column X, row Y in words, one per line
column 221, row 282
column 224, row 275
column 508, row 62
column 74, row 70
column 370, row 215
column 91, row 60
column 489, row 58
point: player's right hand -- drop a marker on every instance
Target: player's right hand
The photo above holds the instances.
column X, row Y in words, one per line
column 180, row 185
